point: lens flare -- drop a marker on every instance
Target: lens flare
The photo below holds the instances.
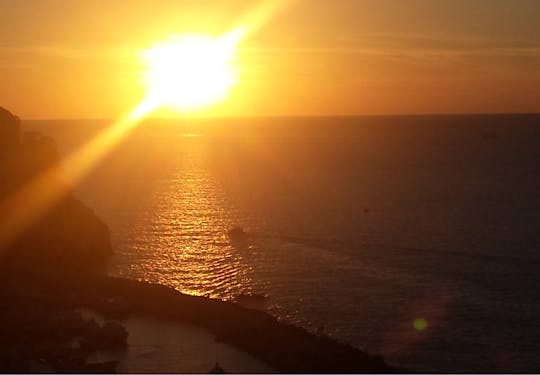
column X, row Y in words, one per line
column 420, row 324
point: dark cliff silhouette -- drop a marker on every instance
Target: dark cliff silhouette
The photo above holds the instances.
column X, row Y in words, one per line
column 69, row 237
column 49, row 273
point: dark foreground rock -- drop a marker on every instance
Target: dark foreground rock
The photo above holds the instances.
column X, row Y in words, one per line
column 284, row 347
column 40, row 335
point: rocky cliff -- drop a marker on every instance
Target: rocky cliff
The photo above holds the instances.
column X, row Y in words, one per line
column 69, row 236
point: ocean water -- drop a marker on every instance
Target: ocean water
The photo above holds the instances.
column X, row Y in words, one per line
column 416, row 238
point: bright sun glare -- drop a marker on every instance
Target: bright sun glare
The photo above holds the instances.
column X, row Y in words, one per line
column 192, row 72
column 188, row 73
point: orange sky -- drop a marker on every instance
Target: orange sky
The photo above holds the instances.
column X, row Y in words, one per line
column 79, row 59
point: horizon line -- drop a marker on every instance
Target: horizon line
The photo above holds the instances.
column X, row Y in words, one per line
column 189, row 118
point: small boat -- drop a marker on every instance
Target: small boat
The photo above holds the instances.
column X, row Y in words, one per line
column 251, row 297
column 217, row 369
column 237, row 236
column 490, row 135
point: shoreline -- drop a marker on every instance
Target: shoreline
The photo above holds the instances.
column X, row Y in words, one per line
column 282, row 346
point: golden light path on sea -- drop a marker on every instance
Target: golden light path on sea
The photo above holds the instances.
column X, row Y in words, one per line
column 24, row 207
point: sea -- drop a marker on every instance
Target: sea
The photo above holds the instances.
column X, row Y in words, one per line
column 412, row 237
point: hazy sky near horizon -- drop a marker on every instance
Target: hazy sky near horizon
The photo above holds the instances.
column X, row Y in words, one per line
column 80, row 59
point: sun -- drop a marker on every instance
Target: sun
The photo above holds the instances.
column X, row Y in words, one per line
column 192, row 72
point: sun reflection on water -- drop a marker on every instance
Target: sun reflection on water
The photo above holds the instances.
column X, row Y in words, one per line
column 187, row 246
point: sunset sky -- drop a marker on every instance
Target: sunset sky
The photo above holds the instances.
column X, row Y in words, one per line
column 81, row 59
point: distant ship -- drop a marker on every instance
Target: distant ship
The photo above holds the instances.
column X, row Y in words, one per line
column 237, row 234
column 251, row 297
